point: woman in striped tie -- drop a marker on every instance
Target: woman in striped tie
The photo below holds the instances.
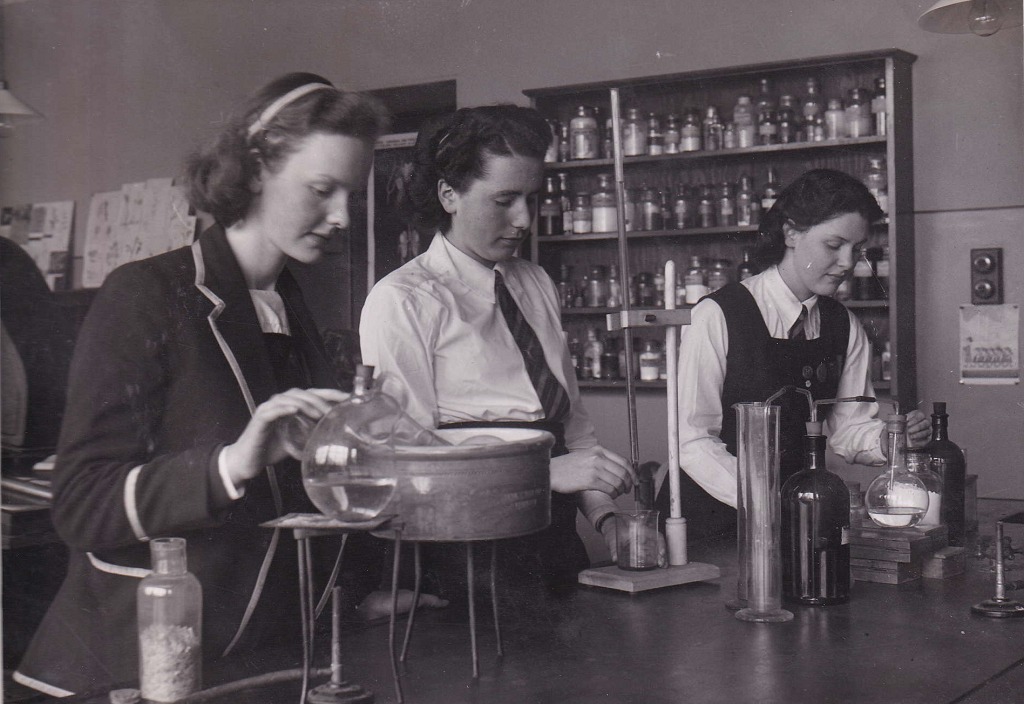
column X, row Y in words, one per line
column 781, row 327
column 474, row 332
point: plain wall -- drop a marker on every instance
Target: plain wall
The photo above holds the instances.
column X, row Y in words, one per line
column 127, row 86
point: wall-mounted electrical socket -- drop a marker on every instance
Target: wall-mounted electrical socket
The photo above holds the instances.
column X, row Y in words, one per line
column 986, row 275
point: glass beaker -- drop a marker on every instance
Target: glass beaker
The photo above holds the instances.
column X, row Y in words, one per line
column 636, row 539
column 758, row 509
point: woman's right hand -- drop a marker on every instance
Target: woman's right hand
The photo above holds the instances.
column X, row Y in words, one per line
column 262, row 443
column 595, row 468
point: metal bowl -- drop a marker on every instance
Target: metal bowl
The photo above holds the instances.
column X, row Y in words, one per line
column 501, row 489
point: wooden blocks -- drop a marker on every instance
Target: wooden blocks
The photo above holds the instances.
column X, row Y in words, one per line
column 625, row 581
column 947, row 562
column 894, row 555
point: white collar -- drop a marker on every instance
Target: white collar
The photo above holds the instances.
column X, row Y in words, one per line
column 469, row 271
column 783, row 297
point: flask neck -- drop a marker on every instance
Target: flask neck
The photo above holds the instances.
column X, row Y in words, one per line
column 897, row 446
column 168, row 556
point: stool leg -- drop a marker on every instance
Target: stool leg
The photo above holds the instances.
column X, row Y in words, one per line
column 310, row 598
column 472, row 608
column 304, row 607
column 494, row 593
column 415, row 601
column 394, row 612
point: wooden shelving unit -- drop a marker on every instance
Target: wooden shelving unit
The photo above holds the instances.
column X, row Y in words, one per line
column 890, row 320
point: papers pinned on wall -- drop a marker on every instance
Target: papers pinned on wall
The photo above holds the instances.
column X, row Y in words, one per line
column 989, row 348
column 141, row 220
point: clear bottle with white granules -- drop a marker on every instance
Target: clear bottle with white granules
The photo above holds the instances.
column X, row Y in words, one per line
column 170, row 616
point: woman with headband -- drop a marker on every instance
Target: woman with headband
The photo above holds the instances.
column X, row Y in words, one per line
column 474, row 332
column 778, row 328
column 184, row 367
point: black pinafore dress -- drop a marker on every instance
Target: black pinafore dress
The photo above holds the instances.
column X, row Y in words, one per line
column 758, row 365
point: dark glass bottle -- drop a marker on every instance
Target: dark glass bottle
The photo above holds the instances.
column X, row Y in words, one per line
column 549, row 216
column 948, row 462
column 747, row 268
column 815, row 530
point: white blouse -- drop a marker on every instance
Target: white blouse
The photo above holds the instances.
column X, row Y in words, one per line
column 853, row 428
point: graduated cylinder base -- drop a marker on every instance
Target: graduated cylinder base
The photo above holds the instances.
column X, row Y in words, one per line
column 770, row 616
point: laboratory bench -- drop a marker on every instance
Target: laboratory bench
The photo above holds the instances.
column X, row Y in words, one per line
column 916, row 643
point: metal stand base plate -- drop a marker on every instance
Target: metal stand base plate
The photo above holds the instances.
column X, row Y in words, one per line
column 344, row 693
column 999, row 608
column 627, row 581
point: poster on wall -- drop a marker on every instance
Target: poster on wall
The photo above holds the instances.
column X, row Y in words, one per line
column 989, row 349
column 140, row 220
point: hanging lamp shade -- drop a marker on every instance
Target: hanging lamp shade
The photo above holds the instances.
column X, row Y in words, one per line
column 982, row 17
column 10, row 105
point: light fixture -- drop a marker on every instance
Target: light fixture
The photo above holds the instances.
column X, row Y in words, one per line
column 982, row 17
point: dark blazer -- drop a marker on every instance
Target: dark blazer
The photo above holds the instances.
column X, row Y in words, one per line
column 169, row 364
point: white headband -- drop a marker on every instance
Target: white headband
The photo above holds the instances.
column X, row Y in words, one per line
column 275, row 107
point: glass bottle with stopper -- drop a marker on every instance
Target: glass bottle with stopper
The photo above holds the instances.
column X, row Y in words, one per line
column 896, row 498
column 948, row 462
column 816, row 524
column 170, row 621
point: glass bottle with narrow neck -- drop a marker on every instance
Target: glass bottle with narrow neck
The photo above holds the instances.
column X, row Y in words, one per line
column 549, row 216
column 948, row 462
column 815, row 530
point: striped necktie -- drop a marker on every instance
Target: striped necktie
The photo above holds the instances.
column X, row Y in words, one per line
column 553, row 398
column 797, row 332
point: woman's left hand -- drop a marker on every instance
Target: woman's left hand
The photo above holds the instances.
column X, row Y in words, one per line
column 919, row 429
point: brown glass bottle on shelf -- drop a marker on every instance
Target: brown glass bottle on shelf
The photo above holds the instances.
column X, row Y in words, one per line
column 549, row 215
column 706, row 209
column 566, row 293
column 789, row 123
column 712, row 129
column 765, row 99
column 565, row 199
column 684, row 210
column 746, row 268
column 650, row 210
column 771, row 190
column 768, row 128
column 563, row 142
column 748, row 207
column 948, row 462
column 726, row 206
column 815, row 530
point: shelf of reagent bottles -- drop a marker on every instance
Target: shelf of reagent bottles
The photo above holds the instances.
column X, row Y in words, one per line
column 620, row 384
column 577, row 310
column 649, row 234
column 702, row 155
column 866, row 304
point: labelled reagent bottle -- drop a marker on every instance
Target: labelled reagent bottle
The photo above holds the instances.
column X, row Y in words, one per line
column 948, row 462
